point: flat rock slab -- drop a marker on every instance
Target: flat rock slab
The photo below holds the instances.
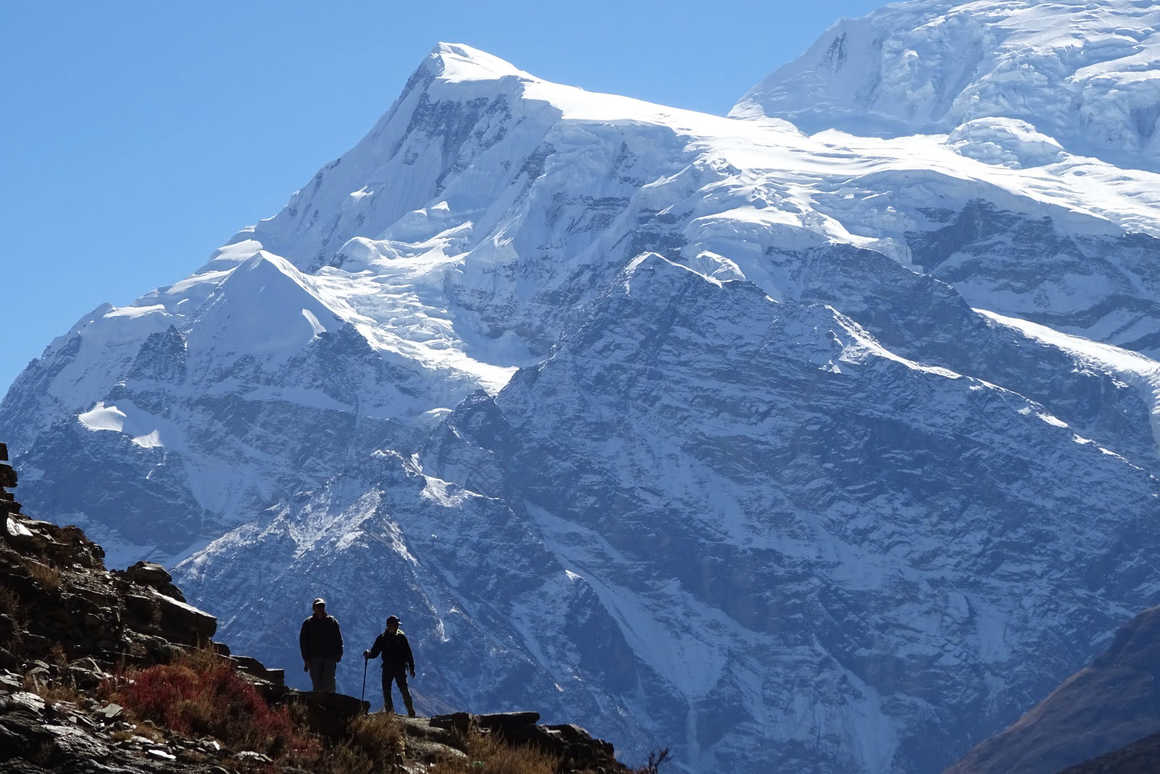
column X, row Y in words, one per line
column 328, row 714
column 184, row 623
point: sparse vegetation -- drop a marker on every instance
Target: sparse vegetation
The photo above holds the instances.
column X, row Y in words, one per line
column 52, row 692
column 376, row 743
column 655, row 759
column 10, row 603
column 486, row 754
column 11, row 606
column 46, row 576
column 145, row 730
column 201, row 694
column 57, row 655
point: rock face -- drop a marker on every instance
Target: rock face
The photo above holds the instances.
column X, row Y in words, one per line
column 57, row 593
column 1109, row 704
column 788, row 452
column 8, row 479
column 67, row 621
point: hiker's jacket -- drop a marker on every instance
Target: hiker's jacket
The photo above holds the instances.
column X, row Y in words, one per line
column 320, row 638
column 396, row 651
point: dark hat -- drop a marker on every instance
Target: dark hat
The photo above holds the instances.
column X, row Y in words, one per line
column 392, row 619
column 318, row 601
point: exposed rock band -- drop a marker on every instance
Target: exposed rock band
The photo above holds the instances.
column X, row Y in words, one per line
column 321, row 643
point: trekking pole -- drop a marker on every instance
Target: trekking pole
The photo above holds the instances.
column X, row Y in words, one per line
column 363, row 696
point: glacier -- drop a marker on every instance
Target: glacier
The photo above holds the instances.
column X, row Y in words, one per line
column 790, row 445
column 1083, row 73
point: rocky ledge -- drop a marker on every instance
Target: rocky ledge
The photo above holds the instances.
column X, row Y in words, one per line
column 75, row 637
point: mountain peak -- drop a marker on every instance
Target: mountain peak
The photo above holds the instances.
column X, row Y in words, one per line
column 460, row 62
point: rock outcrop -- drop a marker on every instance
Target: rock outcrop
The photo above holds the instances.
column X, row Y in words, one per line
column 70, row 629
column 570, row 743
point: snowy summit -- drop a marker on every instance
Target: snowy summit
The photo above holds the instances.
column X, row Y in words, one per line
column 1085, row 74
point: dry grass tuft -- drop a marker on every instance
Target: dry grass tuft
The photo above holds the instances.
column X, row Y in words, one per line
column 487, row 754
column 47, row 577
column 11, row 606
column 376, row 744
column 57, row 655
column 51, row 691
column 10, row 603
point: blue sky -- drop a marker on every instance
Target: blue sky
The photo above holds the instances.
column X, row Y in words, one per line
column 138, row 136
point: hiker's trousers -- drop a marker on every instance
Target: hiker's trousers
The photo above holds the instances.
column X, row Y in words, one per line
column 322, row 674
column 400, row 677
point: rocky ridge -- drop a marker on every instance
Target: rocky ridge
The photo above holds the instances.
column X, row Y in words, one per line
column 1112, row 703
column 71, row 629
column 1141, row 757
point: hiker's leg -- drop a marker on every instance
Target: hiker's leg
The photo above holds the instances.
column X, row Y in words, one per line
column 388, row 705
column 316, row 674
column 328, row 667
column 401, row 679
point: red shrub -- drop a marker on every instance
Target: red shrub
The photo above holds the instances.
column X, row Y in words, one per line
column 203, row 694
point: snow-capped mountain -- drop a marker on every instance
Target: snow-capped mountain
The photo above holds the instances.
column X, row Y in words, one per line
column 1072, row 74
column 792, row 452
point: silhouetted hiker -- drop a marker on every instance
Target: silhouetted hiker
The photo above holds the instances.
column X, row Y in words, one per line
column 397, row 661
column 321, row 643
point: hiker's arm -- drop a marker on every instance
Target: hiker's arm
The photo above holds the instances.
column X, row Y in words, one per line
column 376, row 648
column 410, row 656
column 303, row 642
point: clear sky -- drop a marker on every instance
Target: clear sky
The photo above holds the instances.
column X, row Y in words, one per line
column 135, row 137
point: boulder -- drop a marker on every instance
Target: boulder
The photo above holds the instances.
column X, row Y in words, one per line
column 152, row 575
column 459, row 722
column 176, row 621
column 427, row 730
column 111, row 711
column 149, row 574
column 328, row 714
column 581, row 750
column 16, row 533
column 502, row 722
column 86, row 674
column 22, row 700
column 256, row 668
column 184, row 623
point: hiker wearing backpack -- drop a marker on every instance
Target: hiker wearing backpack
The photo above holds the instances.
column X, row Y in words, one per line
column 320, row 641
column 397, row 661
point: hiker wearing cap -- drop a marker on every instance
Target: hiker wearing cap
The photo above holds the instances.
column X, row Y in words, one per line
column 321, row 643
column 397, row 661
